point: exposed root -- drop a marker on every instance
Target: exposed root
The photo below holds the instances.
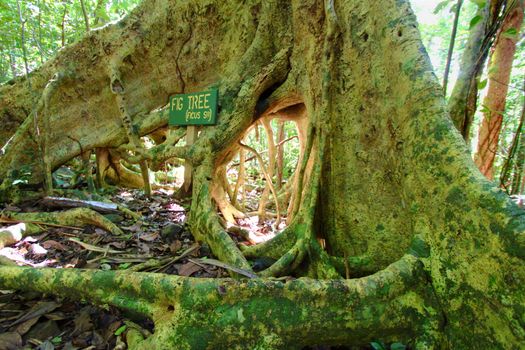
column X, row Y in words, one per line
column 118, row 89
column 299, row 178
column 160, row 135
column 272, row 150
column 225, row 313
column 93, row 201
column 227, row 209
column 167, row 149
column 268, row 181
column 287, row 262
column 45, row 129
column 280, row 153
column 239, row 185
column 275, row 247
column 110, row 167
column 74, row 217
column 205, row 224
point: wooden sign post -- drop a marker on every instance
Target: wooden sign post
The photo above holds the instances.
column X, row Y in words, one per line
column 199, row 108
column 191, row 137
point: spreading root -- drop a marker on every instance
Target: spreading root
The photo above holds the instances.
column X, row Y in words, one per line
column 26, row 224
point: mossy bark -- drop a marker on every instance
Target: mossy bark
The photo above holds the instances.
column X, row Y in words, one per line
column 384, row 172
column 192, row 313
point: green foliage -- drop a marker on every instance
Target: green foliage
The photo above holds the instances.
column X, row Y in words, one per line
column 475, row 20
column 46, row 22
column 510, row 33
column 435, row 31
column 120, row 330
column 441, row 6
column 482, row 84
column 56, row 340
column 290, row 153
column 480, row 3
column 378, row 345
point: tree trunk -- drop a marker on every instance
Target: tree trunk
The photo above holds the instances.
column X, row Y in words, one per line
column 86, row 16
column 500, row 68
column 451, row 45
column 384, row 180
column 518, row 167
column 518, row 147
column 463, row 99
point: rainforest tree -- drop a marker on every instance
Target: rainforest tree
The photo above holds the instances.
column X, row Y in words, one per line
column 418, row 246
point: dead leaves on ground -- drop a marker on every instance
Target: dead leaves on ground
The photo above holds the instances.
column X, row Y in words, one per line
column 26, row 321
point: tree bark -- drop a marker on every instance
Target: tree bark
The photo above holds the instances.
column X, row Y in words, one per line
column 510, row 162
column 86, row 16
column 500, row 68
column 463, row 99
column 451, row 45
column 384, row 179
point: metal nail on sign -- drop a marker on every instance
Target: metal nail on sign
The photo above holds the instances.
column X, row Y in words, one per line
column 198, row 108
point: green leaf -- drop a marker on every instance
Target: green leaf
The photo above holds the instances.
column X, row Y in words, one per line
column 56, row 340
column 378, row 345
column 484, row 109
column 120, row 330
column 124, row 266
column 397, row 346
column 480, row 3
column 482, row 84
column 441, row 6
column 510, row 33
column 474, row 21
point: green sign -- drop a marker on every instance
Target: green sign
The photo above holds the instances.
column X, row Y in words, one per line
column 199, row 108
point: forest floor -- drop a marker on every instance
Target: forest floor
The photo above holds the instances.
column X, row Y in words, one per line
column 33, row 321
column 29, row 321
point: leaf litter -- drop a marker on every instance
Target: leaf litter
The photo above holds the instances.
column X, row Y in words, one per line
column 159, row 242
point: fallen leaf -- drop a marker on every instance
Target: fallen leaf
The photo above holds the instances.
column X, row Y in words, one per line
column 47, row 345
column 56, row 316
column 10, row 341
column 143, row 247
column 83, row 321
column 100, row 231
column 37, row 310
column 133, row 228
column 51, row 244
column 149, row 237
column 189, row 269
column 118, row 244
column 175, row 246
column 98, row 341
column 12, row 208
column 25, row 326
column 44, row 330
